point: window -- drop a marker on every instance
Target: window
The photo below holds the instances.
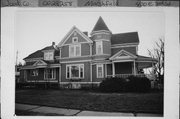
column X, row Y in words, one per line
column 75, row 50
column 48, row 55
column 75, row 40
column 50, row 73
column 99, row 49
column 75, row 71
column 34, row 72
column 99, row 70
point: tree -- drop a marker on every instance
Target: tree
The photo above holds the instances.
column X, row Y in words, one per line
column 158, row 53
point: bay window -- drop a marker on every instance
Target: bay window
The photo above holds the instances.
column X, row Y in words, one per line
column 75, row 71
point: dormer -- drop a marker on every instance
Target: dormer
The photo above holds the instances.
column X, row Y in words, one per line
column 49, row 52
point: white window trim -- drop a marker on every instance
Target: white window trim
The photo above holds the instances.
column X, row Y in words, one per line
column 102, row 66
column 48, row 55
column 101, row 48
column 79, row 65
column 79, row 45
column 54, row 76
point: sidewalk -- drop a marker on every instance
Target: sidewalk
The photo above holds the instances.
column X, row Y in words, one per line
column 73, row 112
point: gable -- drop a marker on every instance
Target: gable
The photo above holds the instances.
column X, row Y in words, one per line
column 75, row 35
column 122, row 54
column 72, row 33
column 40, row 63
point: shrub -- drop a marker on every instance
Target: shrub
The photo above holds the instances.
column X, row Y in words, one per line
column 130, row 84
column 112, row 85
column 138, row 84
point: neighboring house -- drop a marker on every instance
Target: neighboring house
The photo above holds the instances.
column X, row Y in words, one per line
column 81, row 59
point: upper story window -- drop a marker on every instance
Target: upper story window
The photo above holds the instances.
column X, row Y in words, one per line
column 75, row 50
column 99, row 47
column 75, row 40
column 48, row 55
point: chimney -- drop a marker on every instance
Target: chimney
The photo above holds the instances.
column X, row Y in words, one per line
column 86, row 33
column 53, row 43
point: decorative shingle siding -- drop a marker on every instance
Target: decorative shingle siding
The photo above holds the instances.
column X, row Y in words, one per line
column 65, row 51
column 129, row 49
column 106, row 47
column 80, row 38
column 85, row 49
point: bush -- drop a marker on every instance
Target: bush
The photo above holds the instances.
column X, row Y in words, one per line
column 113, row 85
column 138, row 84
column 130, row 84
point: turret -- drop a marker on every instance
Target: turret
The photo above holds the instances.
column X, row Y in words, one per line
column 101, row 35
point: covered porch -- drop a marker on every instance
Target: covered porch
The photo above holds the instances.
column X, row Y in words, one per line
column 133, row 67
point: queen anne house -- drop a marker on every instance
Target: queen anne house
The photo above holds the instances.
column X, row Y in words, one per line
column 80, row 59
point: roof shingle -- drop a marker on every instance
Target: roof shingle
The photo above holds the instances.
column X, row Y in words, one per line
column 122, row 38
column 100, row 25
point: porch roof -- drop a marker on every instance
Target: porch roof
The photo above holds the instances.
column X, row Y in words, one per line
column 41, row 66
column 145, row 62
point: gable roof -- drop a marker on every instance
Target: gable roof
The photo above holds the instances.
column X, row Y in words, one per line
column 74, row 28
column 39, row 53
column 123, row 38
column 122, row 54
column 100, row 25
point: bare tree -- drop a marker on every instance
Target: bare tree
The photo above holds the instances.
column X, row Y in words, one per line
column 158, row 53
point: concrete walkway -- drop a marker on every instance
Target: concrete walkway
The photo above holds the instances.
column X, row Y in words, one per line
column 73, row 112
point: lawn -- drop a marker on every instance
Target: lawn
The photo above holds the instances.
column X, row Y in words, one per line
column 87, row 100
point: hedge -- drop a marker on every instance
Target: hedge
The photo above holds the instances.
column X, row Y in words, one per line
column 130, row 84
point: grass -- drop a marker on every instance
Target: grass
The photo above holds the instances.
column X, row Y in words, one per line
column 86, row 100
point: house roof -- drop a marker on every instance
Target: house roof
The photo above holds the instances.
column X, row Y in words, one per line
column 39, row 53
column 144, row 58
column 122, row 38
column 100, row 25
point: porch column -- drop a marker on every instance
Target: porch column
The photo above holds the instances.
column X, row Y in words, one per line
column 91, row 71
column 113, row 69
column 134, row 67
column 105, row 70
column 59, row 74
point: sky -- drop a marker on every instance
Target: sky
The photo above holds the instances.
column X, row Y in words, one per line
column 35, row 29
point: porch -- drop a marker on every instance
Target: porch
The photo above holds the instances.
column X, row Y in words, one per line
column 133, row 67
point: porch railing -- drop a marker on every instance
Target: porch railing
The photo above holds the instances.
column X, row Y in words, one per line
column 127, row 75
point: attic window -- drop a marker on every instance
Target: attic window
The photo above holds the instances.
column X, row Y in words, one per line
column 74, row 39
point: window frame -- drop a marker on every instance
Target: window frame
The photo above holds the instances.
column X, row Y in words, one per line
column 102, row 66
column 48, row 54
column 53, row 73
column 74, row 39
column 99, row 43
column 74, row 52
column 34, row 72
column 70, row 72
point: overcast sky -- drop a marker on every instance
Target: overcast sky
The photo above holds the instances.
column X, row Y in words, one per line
column 37, row 29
